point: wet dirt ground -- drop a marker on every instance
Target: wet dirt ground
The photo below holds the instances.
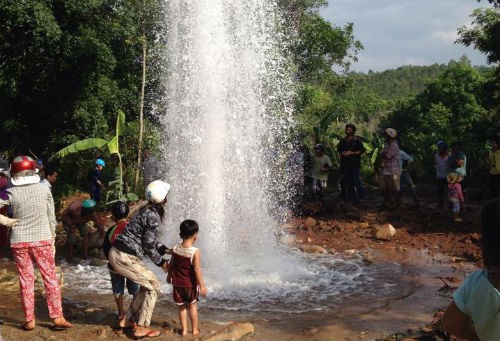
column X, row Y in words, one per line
column 436, row 255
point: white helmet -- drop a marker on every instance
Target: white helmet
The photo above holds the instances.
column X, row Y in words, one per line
column 157, row 191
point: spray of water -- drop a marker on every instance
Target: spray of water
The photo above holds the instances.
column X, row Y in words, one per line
column 228, row 112
column 228, row 109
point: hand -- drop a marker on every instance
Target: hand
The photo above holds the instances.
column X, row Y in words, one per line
column 203, row 291
column 165, row 266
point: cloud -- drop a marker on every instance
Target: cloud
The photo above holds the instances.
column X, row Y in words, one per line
column 445, row 36
column 395, row 33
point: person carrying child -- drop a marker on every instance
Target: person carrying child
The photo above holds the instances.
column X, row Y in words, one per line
column 474, row 313
column 119, row 211
column 185, row 275
column 455, row 195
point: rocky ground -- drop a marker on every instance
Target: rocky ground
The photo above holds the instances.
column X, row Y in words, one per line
column 334, row 228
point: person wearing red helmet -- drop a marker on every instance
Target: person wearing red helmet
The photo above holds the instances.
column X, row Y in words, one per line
column 32, row 239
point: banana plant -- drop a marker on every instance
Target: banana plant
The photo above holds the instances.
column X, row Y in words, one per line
column 116, row 193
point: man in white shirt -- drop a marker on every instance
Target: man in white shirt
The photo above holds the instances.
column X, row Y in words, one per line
column 50, row 177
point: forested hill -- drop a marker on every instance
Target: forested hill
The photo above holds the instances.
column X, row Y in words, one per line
column 403, row 82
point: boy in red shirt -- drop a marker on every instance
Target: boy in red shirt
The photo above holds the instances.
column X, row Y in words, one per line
column 185, row 275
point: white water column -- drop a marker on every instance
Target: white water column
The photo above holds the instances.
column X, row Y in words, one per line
column 228, row 111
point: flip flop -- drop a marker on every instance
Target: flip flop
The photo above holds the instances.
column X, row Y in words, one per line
column 149, row 334
column 62, row 326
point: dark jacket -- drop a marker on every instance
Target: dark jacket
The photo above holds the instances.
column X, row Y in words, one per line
column 140, row 237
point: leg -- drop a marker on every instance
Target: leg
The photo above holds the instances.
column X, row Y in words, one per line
column 44, row 258
column 142, row 305
column 358, row 184
column 183, row 319
column 193, row 315
column 24, row 265
column 85, row 245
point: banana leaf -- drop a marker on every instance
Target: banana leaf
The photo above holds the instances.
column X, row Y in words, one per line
column 79, row 146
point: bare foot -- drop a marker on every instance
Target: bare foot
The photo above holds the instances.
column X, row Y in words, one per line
column 60, row 323
column 196, row 331
column 28, row 325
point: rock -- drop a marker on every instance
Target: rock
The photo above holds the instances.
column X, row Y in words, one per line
column 368, row 257
column 475, row 238
column 310, row 222
column 91, row 310
column 385, row 232
column 311, row 330
column 350, row 252
column 309, row 240
column 364, row 225
column 286, row 239
column 98, row 262
column 233, row 332
column 312, row 207
column 332, row 251
column 102, row 333
column 313, row 249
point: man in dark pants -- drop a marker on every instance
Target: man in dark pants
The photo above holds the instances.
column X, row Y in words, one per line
column 350, row 149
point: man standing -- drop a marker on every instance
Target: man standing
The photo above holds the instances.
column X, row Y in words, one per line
column 50, row 177
column 96, row 180
column 350, row 149
column 321, row 165
column 390, row 178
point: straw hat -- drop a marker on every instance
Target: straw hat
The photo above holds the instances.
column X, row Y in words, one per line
column 453, row 177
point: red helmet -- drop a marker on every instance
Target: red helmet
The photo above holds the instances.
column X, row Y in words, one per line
column 22, row 163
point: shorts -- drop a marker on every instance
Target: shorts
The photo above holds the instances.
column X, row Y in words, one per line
column 70, row 236
column 390, row 183
column 118, row 284
column 183, row 295
column 319, row 185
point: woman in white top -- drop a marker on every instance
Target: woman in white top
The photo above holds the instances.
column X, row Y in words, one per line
column 32, row 240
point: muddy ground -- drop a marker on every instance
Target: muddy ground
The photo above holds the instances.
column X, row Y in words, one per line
column 440, row 252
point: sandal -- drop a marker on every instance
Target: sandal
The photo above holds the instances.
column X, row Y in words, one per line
column 149, row 334
column 28, row 325
column 62, row 326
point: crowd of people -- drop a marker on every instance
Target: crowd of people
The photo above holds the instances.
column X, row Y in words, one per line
column 27, row 212
column 310, row 174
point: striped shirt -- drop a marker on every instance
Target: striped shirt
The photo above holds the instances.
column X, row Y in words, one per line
column 33, row 205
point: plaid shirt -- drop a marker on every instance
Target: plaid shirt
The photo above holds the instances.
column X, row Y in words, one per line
column 33, row 205
column 390, row 158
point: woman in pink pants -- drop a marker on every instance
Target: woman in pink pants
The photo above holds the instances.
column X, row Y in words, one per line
column 32, row 240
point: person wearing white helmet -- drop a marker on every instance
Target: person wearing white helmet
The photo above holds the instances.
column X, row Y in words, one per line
column 139, row 238
column 390, row 178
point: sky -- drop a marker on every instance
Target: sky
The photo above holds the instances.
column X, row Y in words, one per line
column 405, row 32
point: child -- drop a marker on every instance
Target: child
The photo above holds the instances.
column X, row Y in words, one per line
column 455, row 194
column 120, row 212
column 474, row 313
column 185, row 275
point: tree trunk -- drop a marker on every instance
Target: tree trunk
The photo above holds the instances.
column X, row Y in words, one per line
column 141, row 109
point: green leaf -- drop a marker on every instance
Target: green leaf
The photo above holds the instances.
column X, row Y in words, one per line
column 79, row 146
column 113, row 145
column 120, row 123
column 132, row 197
